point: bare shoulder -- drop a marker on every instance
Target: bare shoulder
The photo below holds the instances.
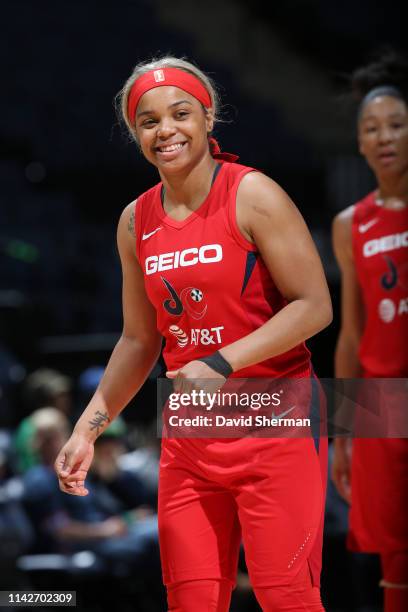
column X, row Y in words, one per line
column 262, row 195
column 344, row 219
column 127, row 218
column 126, row 234
column 341, row 231
column 342, row 223
column 263, row 206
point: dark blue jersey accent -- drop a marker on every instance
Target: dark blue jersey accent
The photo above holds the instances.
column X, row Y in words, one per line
column 250, row 264
column 390, row 278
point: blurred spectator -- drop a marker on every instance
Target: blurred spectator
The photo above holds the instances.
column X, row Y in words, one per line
column 47, row 387
column 144, row 460
column 44, row 387
column 112, row 520
column 16, row 533
column 87, row 383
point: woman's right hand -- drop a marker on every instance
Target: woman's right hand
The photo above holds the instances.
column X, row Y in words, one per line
column 72, row 464
column 341, row 467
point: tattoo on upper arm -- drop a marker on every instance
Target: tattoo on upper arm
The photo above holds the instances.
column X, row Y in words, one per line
column 131, row 224
column 99, row 420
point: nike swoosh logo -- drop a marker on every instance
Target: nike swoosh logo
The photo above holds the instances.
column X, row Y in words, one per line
column 363, row 227
column 146, row 236
column 282, row 414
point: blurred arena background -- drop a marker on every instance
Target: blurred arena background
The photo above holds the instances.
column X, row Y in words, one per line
column 67, row 169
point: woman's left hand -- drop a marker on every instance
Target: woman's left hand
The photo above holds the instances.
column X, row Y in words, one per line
column 196, row 376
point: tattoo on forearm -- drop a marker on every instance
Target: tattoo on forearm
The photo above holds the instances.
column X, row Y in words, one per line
column 99, row 420
column 131, row 224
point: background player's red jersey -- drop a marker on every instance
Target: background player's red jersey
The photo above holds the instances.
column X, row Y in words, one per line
column 379, row 468
column 380, row 246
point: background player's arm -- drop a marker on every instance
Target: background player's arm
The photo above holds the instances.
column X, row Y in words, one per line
column 347, row 363
column 267, row 217
column 132, row 359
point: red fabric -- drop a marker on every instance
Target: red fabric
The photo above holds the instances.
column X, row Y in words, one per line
column 379, row 475
column 164, row 77
column 395, row 600
column 213, row 492
column 207, row 292
column 210, row 287
column 215, row 595
column 379, row 495
column 293, row 597
column 395, row 573
column 200, row 596
column 216, row 152
column 395, row 568
column 380, row 248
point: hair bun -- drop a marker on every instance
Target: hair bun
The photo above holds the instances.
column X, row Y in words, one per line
column 389, row 68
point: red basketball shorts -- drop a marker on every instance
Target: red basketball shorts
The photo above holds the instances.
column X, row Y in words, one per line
column 269, row 493
column 379, row 495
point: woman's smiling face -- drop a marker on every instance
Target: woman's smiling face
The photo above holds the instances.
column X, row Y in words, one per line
column 172, row 128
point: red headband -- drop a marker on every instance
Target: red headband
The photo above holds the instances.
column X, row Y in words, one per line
column 166, row 76
column 185, row 81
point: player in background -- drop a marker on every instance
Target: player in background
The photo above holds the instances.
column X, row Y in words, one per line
column 217, row 260
column 371, row 245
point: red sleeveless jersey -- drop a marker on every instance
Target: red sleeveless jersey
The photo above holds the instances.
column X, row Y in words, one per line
column 208, row 284
column 380, row 246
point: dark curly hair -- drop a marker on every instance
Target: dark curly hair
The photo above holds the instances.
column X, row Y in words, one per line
column 388, row 68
